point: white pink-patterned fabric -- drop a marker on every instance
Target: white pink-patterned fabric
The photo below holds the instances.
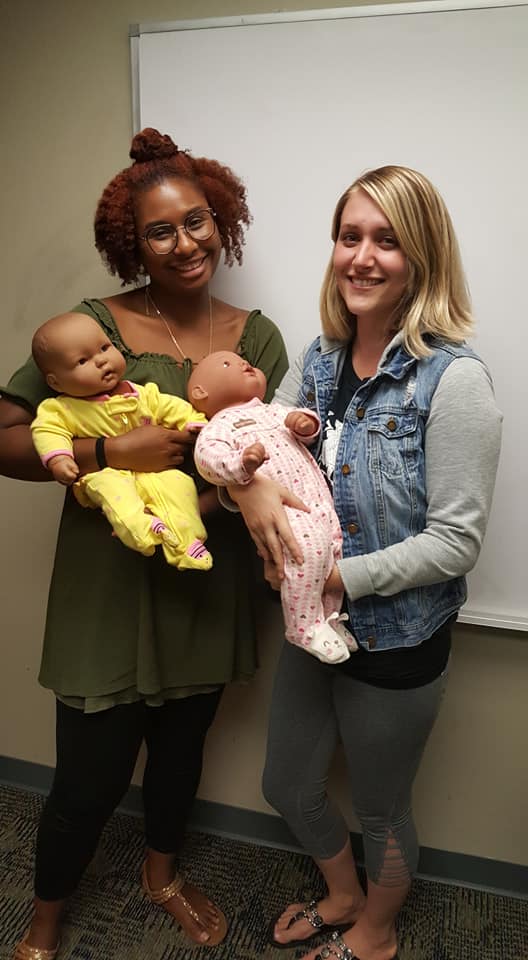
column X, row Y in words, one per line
column 218, row 457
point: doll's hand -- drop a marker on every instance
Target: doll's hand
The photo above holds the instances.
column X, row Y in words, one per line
column 262, row 503
column 253, row 457
column 149, row 449
column 300, row 423
column 64, row 469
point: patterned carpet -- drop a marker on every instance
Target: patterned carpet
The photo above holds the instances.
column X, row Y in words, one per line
column 109, row 919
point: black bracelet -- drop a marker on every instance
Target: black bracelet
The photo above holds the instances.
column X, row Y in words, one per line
column 100, row 453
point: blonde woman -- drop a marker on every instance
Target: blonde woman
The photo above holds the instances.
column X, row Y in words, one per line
column 410, row 445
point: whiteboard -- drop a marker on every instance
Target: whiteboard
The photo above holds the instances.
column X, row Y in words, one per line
column 299, row 104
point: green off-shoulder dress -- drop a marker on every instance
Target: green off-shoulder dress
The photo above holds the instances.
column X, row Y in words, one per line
column 120, row 625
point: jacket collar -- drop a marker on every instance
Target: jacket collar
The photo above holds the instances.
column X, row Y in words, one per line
column 394, row 360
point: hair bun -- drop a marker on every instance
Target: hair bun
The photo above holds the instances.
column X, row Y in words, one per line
column 150, row 144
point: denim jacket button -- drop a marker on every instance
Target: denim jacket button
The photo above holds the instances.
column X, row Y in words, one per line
column 345, row 469
column 310, row 396
column 360, row 413
column 352, row 528
column 391, row 424
column 371, row 642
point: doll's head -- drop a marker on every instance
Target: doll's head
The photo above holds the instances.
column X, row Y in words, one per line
column 224, row 379
column 76, row 357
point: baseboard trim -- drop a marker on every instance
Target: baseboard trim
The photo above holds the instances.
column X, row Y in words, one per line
column 252, row 826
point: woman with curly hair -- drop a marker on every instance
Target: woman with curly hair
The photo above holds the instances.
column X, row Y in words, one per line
column 131, row 650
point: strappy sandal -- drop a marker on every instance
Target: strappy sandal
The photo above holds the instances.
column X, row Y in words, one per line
column 312, row 915
column 336, row 947
column 174, row 889
column 24, row 952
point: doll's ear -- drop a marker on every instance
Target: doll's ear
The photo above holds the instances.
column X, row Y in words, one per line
column 51, row 380
column 198, row 392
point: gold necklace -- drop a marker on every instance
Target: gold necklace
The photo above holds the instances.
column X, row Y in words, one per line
column 148, row 296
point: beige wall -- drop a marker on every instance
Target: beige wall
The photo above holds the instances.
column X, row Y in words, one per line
column 66, row 125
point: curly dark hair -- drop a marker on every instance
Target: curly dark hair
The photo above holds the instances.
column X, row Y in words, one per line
column 157, row 159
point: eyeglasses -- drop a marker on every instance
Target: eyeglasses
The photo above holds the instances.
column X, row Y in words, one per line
column 163, row 238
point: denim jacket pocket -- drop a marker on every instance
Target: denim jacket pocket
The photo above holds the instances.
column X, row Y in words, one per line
column 307, row 394
column 393, row 441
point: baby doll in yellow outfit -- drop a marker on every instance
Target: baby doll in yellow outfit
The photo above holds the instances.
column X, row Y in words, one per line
column 85, row 368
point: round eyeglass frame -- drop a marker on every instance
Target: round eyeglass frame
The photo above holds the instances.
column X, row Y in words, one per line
column 184, row 227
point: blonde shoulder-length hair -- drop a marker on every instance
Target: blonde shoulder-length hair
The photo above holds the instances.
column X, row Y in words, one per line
column 436, row 301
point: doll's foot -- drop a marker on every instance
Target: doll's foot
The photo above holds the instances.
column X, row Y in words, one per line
column 337, row 622
column 326, row 644
column 162, row 531
column 196, row 557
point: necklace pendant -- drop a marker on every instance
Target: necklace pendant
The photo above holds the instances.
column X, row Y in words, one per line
column 149, row 297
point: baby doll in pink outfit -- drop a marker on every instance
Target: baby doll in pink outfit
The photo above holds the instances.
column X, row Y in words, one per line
column 244, row 435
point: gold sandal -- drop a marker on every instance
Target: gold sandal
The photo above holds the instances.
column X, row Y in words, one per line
column 24, row 952
column 174, row 889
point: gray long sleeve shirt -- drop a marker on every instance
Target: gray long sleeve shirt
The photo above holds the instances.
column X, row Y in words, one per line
column 462, row 445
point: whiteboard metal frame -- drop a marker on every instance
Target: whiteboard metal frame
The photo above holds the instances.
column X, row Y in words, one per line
column 136, row 30
column 332, row 13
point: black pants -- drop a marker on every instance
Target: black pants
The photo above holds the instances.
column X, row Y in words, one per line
column 96, row 755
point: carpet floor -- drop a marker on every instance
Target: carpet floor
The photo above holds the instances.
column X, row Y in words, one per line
column 110, row 919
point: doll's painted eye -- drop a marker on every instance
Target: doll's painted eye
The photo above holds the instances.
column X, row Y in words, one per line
column 226, row 363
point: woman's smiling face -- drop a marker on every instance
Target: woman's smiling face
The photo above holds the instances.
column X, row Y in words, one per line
column 371, row 269
column 192, row 263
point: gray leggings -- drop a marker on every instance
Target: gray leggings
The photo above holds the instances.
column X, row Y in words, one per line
column 383, row 732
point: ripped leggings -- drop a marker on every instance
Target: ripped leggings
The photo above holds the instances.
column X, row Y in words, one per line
column 383, row 732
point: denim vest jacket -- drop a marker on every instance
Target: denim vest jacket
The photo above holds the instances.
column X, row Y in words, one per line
column 379, row 478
